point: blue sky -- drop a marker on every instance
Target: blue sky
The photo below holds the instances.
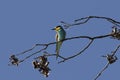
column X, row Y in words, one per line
column 24, row 23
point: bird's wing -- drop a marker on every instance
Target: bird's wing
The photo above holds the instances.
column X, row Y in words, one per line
column 58, row 45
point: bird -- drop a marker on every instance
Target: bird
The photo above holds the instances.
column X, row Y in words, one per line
column 60, row 36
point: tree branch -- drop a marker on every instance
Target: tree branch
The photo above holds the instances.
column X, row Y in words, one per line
column 45, row 46
column 86, row 19
column 77, row 53
column 112, row 58
column 99, row 74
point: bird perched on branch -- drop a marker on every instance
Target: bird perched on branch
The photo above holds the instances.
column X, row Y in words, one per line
column 60, row 36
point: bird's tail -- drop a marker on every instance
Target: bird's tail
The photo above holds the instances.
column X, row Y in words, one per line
column 58, row 46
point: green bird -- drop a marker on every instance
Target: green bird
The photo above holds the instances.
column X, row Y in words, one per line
column 60, row 36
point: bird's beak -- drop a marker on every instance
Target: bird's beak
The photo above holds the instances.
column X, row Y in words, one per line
column 53, row 29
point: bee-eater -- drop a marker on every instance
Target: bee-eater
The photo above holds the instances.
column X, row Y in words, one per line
column 60, row 36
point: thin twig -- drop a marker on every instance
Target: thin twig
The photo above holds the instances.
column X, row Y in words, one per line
column 113, row 52
column 99, row 74
column 33, row 54
column 29, row 49
column 91, row 38
column 48, row 54
column 86, row 19
column 44, row 45
column 77, row 53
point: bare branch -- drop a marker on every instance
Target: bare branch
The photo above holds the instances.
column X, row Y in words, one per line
column 45, row 46
column 113, row 52
column 111, row 59
column 48, row 54
column 77, row 53
column 33, row 54
column 99, row 74
column 91, row 40
column 86, row 19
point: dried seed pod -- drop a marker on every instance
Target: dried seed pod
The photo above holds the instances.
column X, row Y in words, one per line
column 115, row 33
column 14, row 60
column 42, row 65
column 111, row 59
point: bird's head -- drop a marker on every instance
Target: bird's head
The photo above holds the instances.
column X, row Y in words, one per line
column 57, row 28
